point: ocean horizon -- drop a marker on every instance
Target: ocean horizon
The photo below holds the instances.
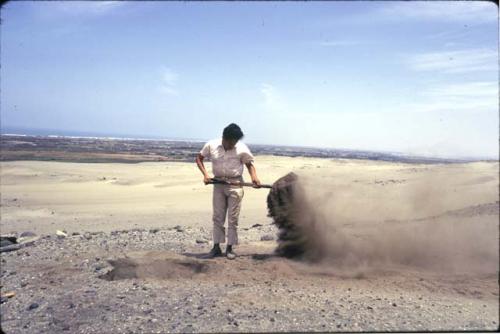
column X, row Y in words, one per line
column 57, row 133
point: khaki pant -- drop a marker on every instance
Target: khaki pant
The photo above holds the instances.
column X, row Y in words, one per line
column 226, row 201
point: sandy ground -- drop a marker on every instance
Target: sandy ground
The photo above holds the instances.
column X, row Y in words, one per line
column 115, row 209
column 46, row 196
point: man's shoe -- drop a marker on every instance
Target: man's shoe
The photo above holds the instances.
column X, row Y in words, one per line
column 214, row 252
column 230, row 255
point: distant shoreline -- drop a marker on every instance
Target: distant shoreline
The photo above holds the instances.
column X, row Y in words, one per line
column 133, row 150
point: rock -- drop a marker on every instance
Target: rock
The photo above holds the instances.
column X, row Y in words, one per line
column 6, row 242
column 75, row 233
column 267, row 237
column 179, row 228
column 256, row 225
column 27, row 234
column 201, row 241
column 33, row 306
column 154, row 230
column 61, row 234
column 10, row 248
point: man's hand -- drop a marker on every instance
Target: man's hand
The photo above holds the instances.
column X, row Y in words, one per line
column 256, row 182
column 253, row 175
column 206, row 179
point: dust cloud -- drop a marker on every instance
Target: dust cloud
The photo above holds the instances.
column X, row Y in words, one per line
column 422, row 224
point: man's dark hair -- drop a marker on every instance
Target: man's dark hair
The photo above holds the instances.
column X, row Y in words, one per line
column 232, row 131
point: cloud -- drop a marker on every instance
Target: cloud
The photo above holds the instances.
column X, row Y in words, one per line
column 81, row 8
column 473, row 11
column 169, row 76
column 382, row 12
column 481, row 89
column 481, row 96
column 461, row 61
column 273, row 101
column 339, row 43
column 168, row 81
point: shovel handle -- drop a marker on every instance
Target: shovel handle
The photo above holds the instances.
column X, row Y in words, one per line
column 244, row 184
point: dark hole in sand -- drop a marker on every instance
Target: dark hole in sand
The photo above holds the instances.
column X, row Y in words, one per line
column 141, row 268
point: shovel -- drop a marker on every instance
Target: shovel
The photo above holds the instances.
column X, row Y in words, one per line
column 244, row 184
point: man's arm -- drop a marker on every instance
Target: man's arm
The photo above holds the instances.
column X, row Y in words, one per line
column 253, row 174
column 201, row 167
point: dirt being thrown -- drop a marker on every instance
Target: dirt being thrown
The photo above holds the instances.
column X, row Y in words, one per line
column 297, row 237
column 317, row 222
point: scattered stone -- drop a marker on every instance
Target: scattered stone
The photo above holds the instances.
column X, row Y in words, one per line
column 154, row 230
column 33, row 306
column 267, row 237
column 6, row 242
column 61, row 234
column 394, row 304
column 9, row 294
column 75, row 233
column 27, row 234
column 256, row 225
column 10, row 248
column 179, row 228
column 201, row 241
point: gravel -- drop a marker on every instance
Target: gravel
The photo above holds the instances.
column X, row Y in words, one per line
column 60, row 287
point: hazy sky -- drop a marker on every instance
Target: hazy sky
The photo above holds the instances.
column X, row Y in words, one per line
column 414, row 77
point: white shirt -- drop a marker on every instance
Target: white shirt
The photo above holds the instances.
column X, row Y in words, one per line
column 227, row 163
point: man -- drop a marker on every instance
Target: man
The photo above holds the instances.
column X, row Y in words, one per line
column 228, row 155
